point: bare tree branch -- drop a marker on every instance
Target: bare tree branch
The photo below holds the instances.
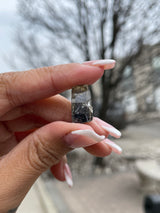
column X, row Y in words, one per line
column 79, row 30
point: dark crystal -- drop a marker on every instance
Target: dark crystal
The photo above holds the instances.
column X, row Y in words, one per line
column 81, row 113
column 82, row 110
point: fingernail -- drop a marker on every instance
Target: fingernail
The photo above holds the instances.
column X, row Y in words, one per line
column 107, row 127
column 106, row 63
column 68, row 175
column 115, row 148
column 112, row 131
column 83, row 138
column 89, row 133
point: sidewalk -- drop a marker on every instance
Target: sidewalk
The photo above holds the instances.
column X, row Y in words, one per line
column 37, row 200
column 116, row 193
column 94, row 194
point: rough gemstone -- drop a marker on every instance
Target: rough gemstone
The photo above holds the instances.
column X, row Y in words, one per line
column 82, row 110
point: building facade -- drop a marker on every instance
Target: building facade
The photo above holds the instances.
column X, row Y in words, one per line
column 140, row 87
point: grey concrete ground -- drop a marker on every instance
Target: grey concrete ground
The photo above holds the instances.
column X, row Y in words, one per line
column 115, row 190
column 105, row 194
column 38, row 200
column 141, row 140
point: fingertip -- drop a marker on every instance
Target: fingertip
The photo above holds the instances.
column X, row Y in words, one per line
column 57, row 170
column 99, row 149
column 106, row 127
column 69, row 75
column 90, row 74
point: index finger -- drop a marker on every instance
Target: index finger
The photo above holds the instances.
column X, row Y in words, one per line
column 19, row 88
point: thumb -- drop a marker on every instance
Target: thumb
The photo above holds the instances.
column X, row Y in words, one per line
column 36, row 153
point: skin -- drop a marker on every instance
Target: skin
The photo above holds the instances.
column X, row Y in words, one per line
column 34, row 121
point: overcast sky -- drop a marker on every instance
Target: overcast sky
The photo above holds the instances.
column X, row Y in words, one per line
column 8, row 21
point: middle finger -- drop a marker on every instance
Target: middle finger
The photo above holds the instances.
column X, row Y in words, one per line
column 54, row 109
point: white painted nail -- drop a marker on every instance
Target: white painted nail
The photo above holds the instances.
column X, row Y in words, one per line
column 117, row 149
column 112, row 131
column 68, row 175
column 89, row 133
column 104, row 62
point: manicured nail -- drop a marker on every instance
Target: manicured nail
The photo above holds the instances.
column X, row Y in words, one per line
column 107, row 127
column 68, row 175
column 112, row 131
column 89, row 133
column 105, row 63
column 83, row 138
column 115, row 148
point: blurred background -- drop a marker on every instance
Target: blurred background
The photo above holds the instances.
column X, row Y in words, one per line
column 48, row 32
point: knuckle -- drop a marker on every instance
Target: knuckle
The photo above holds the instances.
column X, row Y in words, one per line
column 43, row 71
column 6, row 81
column 41, row 156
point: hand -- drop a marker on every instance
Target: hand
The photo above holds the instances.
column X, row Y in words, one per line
column 36, row 129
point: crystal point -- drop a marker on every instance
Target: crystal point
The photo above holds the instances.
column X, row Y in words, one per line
column 82, row 110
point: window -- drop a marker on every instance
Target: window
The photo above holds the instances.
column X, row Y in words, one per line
column 127, row 72
column 128, row 81
column 156, row 63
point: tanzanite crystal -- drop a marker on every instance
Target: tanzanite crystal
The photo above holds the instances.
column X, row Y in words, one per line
column 82, row 110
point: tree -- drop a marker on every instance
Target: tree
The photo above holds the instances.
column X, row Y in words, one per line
column 79, row 30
